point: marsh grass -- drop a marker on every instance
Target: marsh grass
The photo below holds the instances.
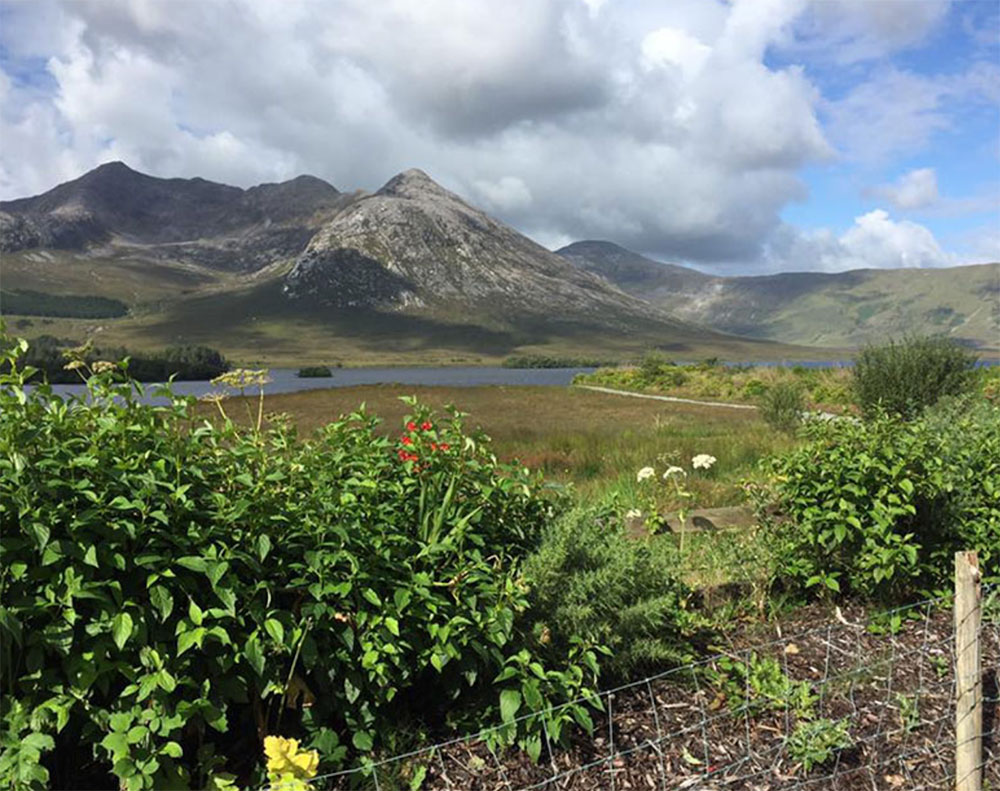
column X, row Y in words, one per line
column 827, row 389
column 594, row 441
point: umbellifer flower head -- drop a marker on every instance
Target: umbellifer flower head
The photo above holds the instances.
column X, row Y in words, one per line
column 672, row 471
column 703, row 461
column 644, row 473
column 633, row 513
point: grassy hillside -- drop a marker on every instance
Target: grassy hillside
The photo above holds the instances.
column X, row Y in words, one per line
column 869, row 305
column 845, row 309
column 252, row 321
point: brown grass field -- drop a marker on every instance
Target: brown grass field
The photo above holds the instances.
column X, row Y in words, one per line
column 594, row 441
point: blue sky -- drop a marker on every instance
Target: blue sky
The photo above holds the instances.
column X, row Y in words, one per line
column 738, row 137
column 964, row 153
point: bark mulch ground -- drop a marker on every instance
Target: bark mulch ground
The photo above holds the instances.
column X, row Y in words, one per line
column 687, row 730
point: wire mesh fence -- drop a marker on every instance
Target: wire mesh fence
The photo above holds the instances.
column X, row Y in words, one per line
column 851, row 704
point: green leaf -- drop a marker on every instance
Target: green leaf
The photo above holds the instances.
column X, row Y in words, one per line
column 274, row 628
column 195, row 613
column 162, row 600
column 362, row 740
column 263, row 546
column 90, row 556
column 41, row 533
column 510, row 702
column 419, row 775
column 121, row 629
column 187, row 639
column 254, row 655
column 392, row 625
column 216, row 572
column 372, row 596
column 193, row 563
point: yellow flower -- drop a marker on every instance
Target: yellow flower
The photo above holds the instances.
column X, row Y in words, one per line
column 283, row 757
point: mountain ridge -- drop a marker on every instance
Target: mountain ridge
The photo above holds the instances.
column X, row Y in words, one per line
column 275, row 264
column 815, row 308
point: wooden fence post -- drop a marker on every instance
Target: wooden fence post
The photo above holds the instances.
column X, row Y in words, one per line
column 968, row 675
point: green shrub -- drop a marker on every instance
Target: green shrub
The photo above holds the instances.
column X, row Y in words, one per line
column 782, row 405
column 173, row 591
column 315, row 372
column 758, row 685
column 879, row 507
column 754, row 388
column 590, row 579
column 906, row 376
column 816, row 742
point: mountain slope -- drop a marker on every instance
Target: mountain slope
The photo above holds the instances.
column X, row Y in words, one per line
column 210, row 224
column 812, row 308
column 417, row 247
column 297, row 269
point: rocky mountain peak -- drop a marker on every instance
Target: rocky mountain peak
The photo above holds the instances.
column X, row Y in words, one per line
column 413, row 183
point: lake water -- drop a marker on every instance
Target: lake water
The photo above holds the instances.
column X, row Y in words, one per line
column 284, row 380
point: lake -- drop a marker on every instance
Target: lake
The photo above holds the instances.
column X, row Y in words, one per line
column 284, row 380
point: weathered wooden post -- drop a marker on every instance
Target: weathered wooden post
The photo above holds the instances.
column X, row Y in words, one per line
column 968, row 675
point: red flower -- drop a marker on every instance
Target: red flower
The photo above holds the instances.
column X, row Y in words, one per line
column 434, row 446
column 407, row 456
column 444, row 446
column 426, row 426
column 406, row 441
column 411, row 426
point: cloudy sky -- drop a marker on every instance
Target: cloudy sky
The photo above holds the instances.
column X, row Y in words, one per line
column 743, row 136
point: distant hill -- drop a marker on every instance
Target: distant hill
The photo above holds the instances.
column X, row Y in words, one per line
column 812, row 308
column 298, row 268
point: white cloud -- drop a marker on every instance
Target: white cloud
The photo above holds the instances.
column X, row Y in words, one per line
column 663, row 126
column 671, row 47
column 915, row 189
column 897, row 112
column 850, row 31
column 874, row 241
column 506, row 194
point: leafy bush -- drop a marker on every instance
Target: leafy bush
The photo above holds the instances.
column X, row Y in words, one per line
column 758, row 685
column 174, row 592
column 815, row 742
column 590, row 579
column 754, row 388
column 905, row 377
column 315, row 372
column 879, row 507
column 782, row 405
column 652, row 365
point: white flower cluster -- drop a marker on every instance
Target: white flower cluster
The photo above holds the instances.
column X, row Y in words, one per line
column 703, row 461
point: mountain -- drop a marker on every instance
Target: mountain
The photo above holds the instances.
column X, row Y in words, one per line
column 415, row 245
column 844, row 309
column 292, row 271
column 217, row 225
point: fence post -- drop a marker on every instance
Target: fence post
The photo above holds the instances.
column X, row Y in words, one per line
column 968, row 675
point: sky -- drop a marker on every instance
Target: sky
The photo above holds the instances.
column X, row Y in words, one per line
column 738, row 137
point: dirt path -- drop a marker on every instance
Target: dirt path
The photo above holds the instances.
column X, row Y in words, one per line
column 674, row 399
